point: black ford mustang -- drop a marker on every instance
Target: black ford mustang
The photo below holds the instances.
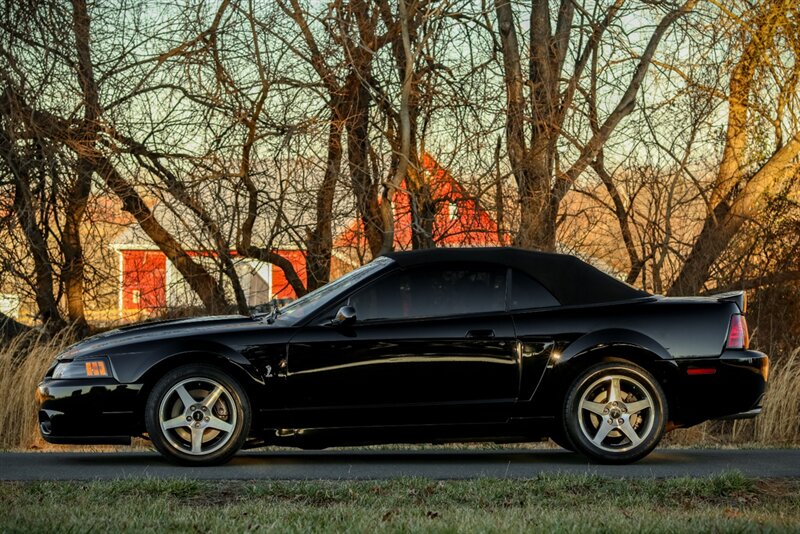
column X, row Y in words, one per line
column 440, row 345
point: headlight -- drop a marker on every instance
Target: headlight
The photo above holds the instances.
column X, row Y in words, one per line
column 93, row 367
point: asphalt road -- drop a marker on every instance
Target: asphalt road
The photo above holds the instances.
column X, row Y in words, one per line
column 372, row 465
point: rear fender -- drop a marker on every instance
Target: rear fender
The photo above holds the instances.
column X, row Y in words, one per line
column 602, row 345
column 615, row 339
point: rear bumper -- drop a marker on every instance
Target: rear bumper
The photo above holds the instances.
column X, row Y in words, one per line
column 99, row 411
column 729, row 387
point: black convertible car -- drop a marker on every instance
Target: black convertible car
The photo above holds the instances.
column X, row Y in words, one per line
column 443, row 345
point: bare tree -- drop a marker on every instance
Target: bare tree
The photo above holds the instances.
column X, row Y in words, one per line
column 261, row 127
column 741, row 182
column 80, row 136
column 540, row 101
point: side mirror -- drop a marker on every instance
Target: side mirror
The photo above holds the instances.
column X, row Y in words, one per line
column 346, row 316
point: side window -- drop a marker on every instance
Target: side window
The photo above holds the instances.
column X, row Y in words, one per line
column 527, row 293
column 433, row 291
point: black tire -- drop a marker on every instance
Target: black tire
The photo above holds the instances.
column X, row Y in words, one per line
column 222, row 422
column 615, row 428
column 559, row 437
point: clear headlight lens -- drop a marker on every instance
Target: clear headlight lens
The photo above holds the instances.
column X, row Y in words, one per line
column 91, row 368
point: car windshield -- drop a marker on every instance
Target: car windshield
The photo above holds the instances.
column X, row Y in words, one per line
column 311, row 302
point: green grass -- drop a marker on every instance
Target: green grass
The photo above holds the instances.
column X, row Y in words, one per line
column 728, row 502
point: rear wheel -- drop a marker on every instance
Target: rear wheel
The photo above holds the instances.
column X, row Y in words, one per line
column 615, row 412
column 197, row 415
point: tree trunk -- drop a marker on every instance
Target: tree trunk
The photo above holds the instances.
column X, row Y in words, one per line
column 72, row 273
column 729, row 215
column 405, row 142
column 78, row 195
column 364, row 187
column 25, row 213
column 320, row 241
column 42, row 266
column 423, row 215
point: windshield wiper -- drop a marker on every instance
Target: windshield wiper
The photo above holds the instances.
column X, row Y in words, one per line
column 274, row 312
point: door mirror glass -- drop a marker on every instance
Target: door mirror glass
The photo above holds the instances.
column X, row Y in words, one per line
column 346, row 316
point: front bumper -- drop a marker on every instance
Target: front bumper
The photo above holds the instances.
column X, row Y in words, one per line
column 729, row 387
column 83, row 411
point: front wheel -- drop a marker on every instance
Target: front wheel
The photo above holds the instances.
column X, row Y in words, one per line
column 197, row 415
column 559, row 437
column 615, row 412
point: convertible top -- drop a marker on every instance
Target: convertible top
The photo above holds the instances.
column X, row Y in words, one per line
column 570, row 280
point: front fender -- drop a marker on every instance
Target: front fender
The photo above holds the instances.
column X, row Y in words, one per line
column 131, row 366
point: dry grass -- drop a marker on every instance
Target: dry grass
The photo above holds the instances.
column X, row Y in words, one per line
column 780, row 421
column 24, row 361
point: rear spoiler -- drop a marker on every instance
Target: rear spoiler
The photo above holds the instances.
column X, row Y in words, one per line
column 737, row 297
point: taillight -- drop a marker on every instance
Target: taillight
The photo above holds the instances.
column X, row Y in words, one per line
column 738, row 337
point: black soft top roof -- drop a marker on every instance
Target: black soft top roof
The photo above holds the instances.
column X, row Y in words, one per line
column 570, row 280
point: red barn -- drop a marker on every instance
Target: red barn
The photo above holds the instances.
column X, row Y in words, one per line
column 149, row 283
column 144, row 280
column 460, row 221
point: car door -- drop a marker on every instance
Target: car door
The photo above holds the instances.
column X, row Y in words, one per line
column 533, row 308
column 431, row 344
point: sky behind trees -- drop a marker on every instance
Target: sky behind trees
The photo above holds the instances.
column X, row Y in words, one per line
column 658, row 137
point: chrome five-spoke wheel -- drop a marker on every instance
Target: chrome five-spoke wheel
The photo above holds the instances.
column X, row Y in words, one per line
column 197, row 415
column 615, row 412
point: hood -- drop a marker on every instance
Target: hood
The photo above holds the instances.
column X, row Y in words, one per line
column 149, row 330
